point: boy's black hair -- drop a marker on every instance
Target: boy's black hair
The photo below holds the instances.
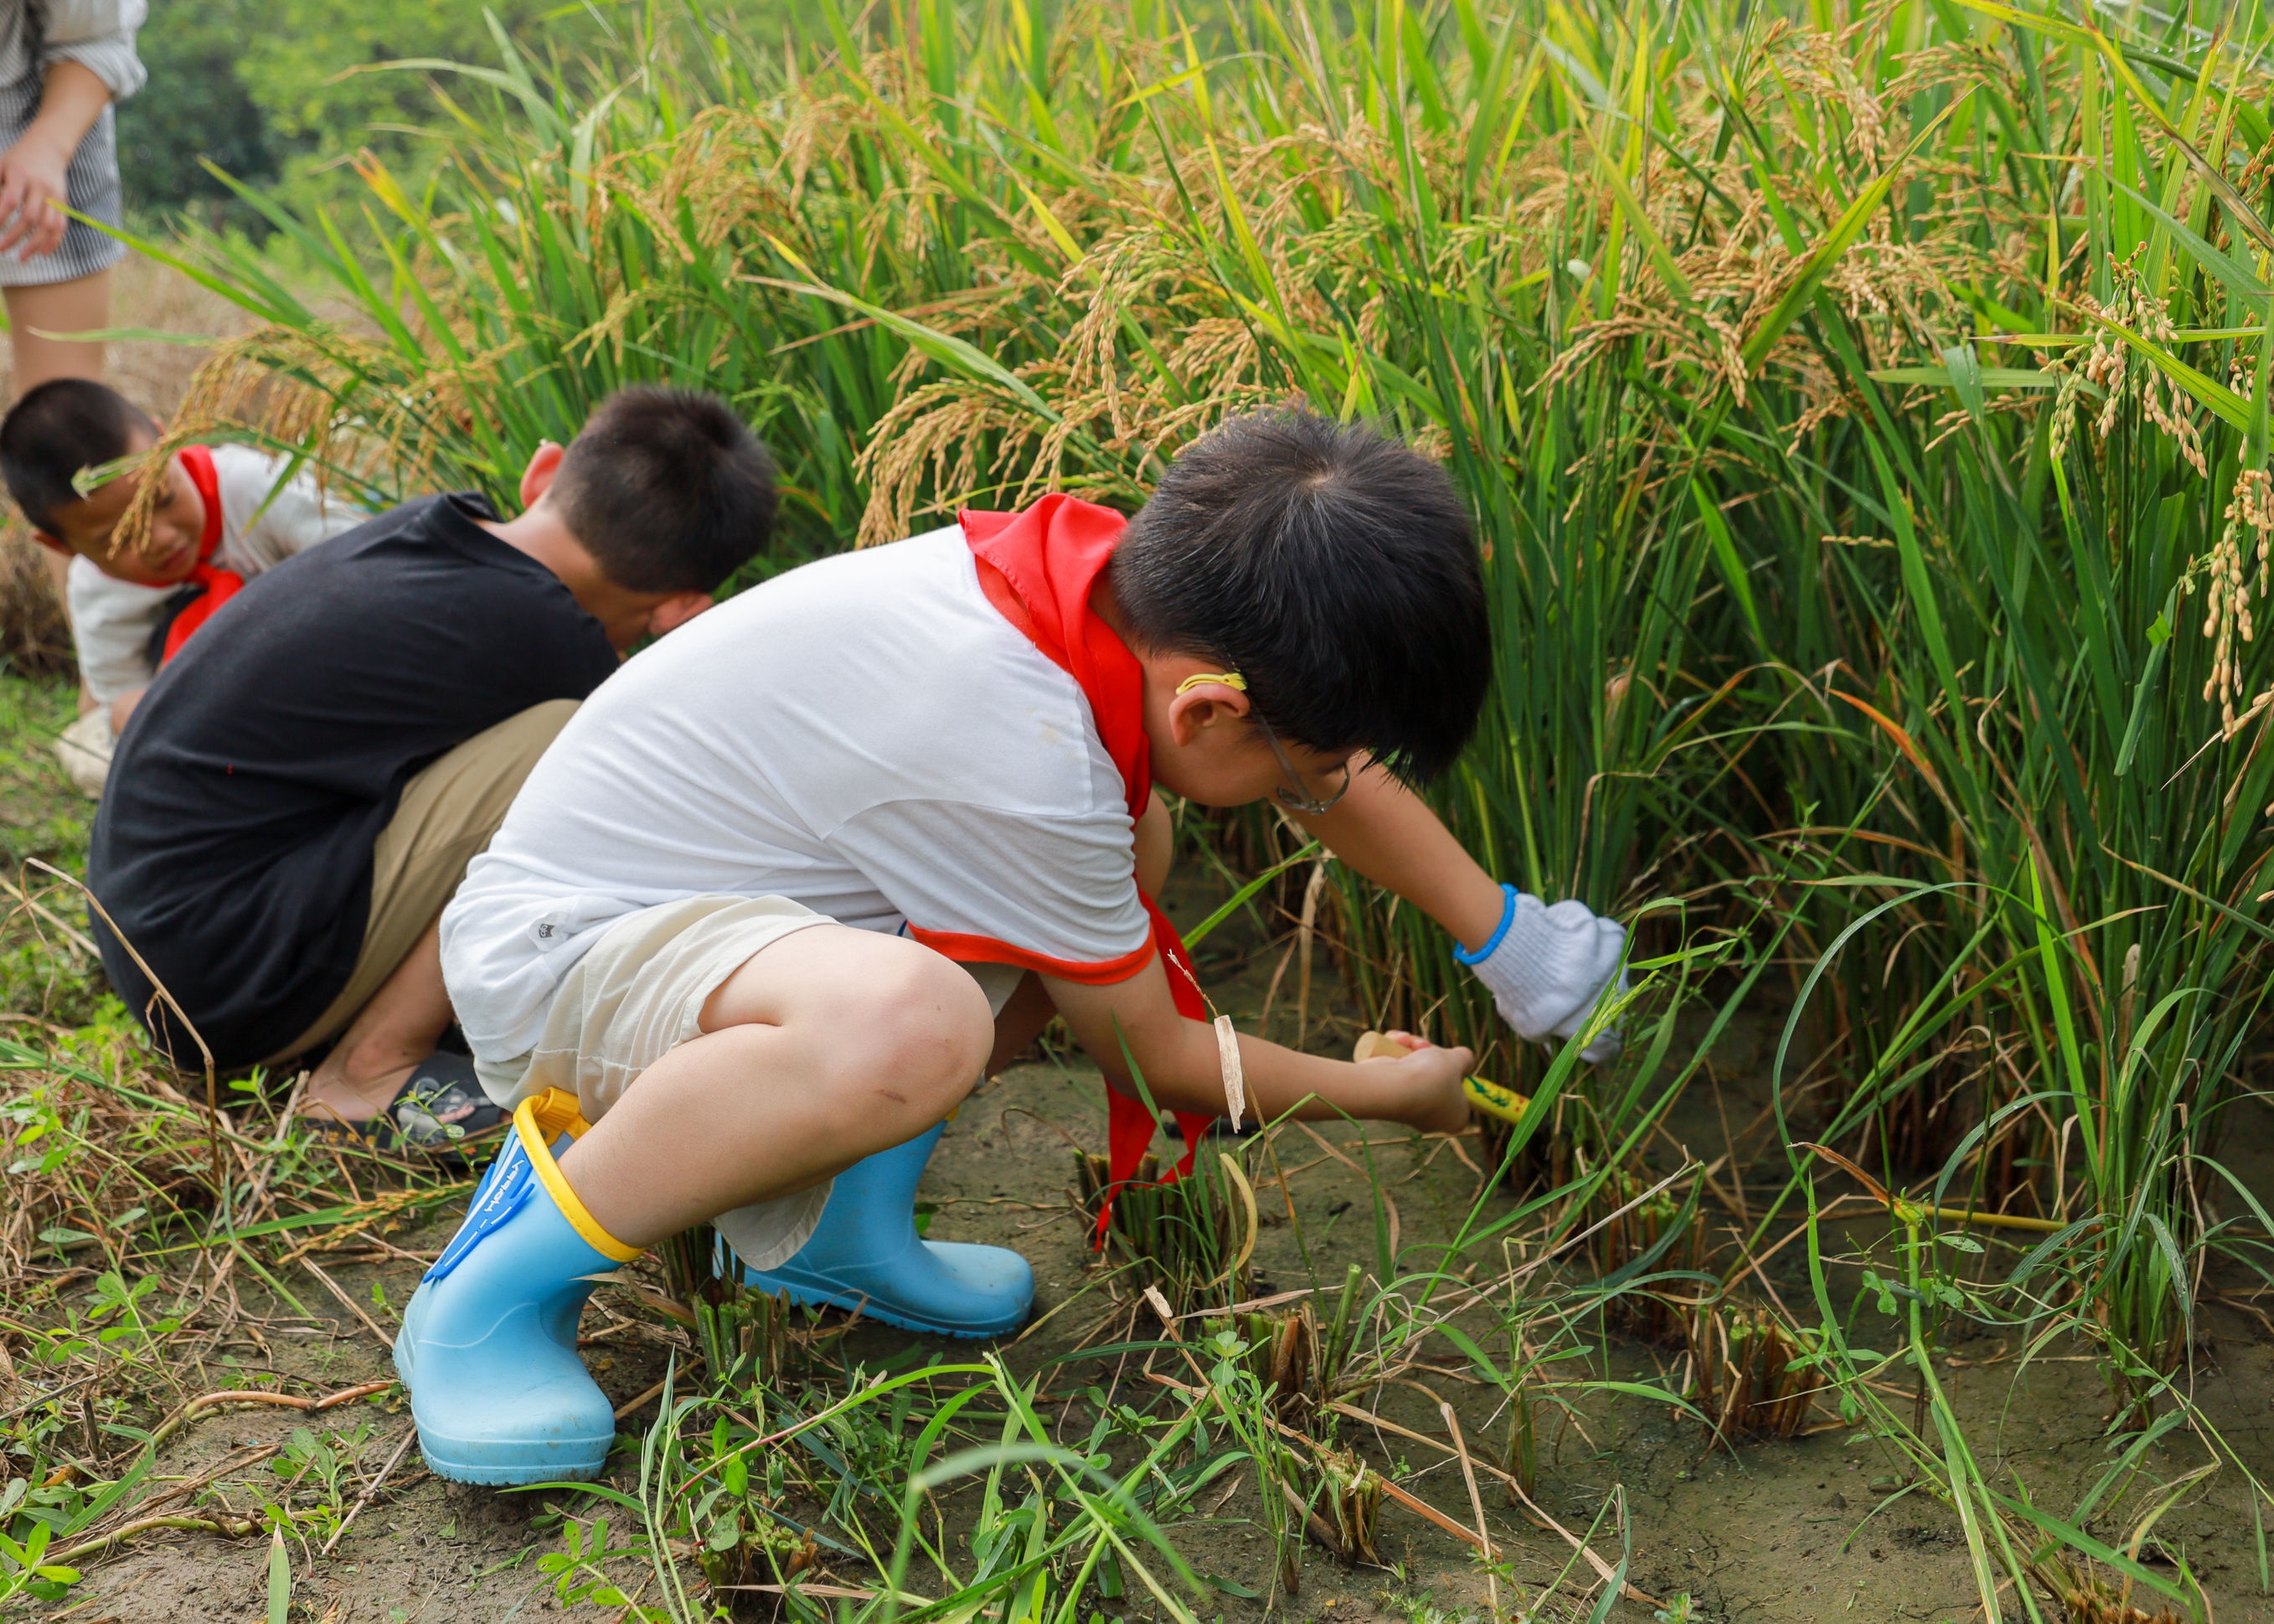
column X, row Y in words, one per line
column 58, row 428
column 1332, row 567
column 667, row 490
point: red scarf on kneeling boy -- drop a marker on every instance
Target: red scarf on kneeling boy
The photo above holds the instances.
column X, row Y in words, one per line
column 1037, row 568
column 218, row 585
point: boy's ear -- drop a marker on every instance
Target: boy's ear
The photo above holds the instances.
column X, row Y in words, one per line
column 1203, row 706
column 537, row 478
column 676, row 611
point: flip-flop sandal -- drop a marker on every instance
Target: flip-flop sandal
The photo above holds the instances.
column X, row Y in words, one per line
column 439, row 1109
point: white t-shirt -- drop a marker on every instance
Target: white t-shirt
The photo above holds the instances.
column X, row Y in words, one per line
column 866, row 735
column 112, row 620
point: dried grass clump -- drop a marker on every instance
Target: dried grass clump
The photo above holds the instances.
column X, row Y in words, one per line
column 35, row 634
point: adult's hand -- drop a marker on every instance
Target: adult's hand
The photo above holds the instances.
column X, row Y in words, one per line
column 31, row 187
column 32, row 171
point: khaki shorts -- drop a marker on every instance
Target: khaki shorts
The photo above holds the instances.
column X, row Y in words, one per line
column 445, row 818
column 637, row 995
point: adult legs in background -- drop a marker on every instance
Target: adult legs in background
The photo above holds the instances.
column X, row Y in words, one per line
column 61, row 149
column 80, row 306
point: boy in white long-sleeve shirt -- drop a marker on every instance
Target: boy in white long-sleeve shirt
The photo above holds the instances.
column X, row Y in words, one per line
column 225, row 513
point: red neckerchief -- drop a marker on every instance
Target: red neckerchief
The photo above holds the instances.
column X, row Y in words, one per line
column 1037, row 568
column 219, row 585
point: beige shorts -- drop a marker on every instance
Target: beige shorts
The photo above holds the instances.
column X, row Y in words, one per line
column 635, row 995
column 446, row 817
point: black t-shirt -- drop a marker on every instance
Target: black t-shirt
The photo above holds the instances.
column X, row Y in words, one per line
column 233, row 845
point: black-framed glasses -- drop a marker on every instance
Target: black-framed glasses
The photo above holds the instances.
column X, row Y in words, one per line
column 1294, row 794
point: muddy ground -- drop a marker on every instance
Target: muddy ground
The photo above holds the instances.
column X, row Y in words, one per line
column 1755, row 1533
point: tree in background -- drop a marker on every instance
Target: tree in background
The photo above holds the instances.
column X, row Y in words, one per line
column 271, row 91
column 195, row 104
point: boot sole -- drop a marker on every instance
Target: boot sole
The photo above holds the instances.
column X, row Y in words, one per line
column 870, row 1308
column 498, row 1472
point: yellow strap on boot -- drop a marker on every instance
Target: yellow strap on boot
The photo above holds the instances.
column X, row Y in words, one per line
column 534, row 1120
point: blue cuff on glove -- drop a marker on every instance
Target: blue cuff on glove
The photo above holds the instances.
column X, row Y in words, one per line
column 1507, row 918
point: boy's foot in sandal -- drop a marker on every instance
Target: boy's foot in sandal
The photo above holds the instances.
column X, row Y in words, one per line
column 437, row 1108
column 866, row 1255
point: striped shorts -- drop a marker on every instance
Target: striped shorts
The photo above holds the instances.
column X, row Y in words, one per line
column 90, row 186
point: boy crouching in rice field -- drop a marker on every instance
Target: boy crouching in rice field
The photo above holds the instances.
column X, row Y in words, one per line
column 298, row 794
column 223, row 514
column 763, row 911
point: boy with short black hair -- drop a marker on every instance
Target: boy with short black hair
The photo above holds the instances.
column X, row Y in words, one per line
column 224, row 514
column 300, row 791
column 763, row 913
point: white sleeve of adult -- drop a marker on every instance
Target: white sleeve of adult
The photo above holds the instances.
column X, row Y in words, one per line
column 1548, row 967
column 99, row 35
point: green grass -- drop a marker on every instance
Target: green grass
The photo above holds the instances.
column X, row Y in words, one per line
column 42, row 817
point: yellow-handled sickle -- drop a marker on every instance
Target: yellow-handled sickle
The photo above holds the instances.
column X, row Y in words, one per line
column 1490, row 1098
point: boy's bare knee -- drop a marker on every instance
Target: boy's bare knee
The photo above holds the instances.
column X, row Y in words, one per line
column 923, row 1028
column 898, row 1033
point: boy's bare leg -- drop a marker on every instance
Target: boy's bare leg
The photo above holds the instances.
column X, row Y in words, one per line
column 1021, row 1021
column 827, row 1046
column 390, row 1035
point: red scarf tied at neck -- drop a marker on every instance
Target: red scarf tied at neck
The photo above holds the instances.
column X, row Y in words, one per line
column 1037, row 568
column 218, row 585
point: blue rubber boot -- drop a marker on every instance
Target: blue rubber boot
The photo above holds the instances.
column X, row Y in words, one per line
column 866, row 1255
column 488, row 1345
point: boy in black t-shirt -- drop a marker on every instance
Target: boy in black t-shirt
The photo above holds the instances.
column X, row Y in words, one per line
column 300, row 791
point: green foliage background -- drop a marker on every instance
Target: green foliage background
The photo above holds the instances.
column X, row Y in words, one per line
column 284, row 94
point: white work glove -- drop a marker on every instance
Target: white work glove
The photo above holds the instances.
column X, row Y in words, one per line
column 1548, row 966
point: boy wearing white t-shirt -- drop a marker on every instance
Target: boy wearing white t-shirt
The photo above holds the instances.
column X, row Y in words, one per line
column 223, row 515
column 775, row 894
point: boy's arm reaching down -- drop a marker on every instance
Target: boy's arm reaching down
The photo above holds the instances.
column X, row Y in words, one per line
column 1389, row 834
column 1182, row 1070
column 1546, row 966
